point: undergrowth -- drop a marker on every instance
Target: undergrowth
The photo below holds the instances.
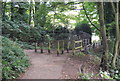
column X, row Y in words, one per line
column 14, row 60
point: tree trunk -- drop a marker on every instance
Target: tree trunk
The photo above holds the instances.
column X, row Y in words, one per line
column 1, row 5
column 104, row 59
column 12, row 11
column 116, row 48
column 0, row 19
column 3, row 10
column 34, row 12
column 29, row 21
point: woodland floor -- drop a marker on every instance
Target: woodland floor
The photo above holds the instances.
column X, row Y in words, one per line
column 65, row 66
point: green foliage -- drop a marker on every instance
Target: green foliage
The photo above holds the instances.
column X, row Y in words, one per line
column 16, row 29
column 111, row 29
column 114, row 75
column 21, row 31
column 14, row 61
column 86, row 76
column 15, row 25
column 109, row 19
column 37, row 33
column 83, row 27
column 26, row 45
column 105, row 75
column 61, row 33
column 92, row 12
column 40, row 15
column 46, row 16
column 79, row 54
column 19, row 10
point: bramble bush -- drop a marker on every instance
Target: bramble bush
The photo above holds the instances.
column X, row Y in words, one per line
column 14, row 60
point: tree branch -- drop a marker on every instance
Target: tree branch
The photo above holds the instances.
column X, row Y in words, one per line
column 89, row 18
column 113, row 6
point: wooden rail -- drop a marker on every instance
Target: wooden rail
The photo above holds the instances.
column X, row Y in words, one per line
column 60, row 45
column 79, row 47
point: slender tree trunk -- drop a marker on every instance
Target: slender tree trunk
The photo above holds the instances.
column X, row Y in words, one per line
column 0, row 23
column 12, row 11
column 116, row 48
column 3, row 10
column 33, row 17
column 29, row 21
column 104, row 59
column 36, row 8
column 1, row 5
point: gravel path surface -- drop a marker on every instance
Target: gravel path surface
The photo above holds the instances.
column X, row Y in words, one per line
column 44, row 66
column 51, row 66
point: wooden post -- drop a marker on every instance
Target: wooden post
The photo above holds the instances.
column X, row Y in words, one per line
column 83, row 42
column 81, row 45
column 36, row 47
column 93, row 44
column 73, row 46
column 49, row 45
column 41, row 47
column 58, row 47
column 62, row 46
column 87, row 44
column 68, row 46
column 88, row 41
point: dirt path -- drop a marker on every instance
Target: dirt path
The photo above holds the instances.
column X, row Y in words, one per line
column 50, row 66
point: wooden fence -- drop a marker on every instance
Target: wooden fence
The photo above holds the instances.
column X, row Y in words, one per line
column 62, row 45
column 77, row 47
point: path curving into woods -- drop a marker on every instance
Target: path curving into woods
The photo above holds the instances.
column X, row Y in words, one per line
column 51, row 66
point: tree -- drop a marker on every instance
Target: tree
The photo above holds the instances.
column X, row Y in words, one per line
column 12, row 11
column 109, row 19
column 0, row 19
column 3, row 10
column 40, row 14
column 89, row 13
column 82, row 27
column 104, row 59
column 30, row 10
column 116, row 47
column 89, row 18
